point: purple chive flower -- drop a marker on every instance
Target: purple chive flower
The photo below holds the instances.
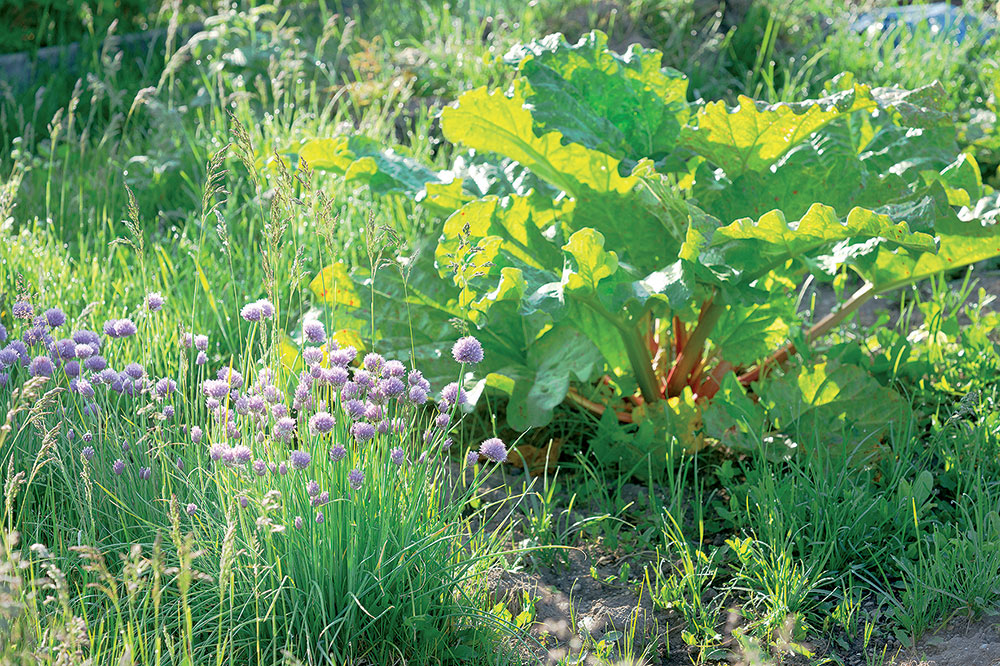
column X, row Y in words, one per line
column 350, row 390
column 243, row 501
column 118, row 466
column 343, row 357
column 22, row 310
column 321, row 423
column 398, row 425
column 3, row 333
column 363, row 431
column 446, row 444
column 494, row 449
column 319, row 517
column 471, row 458
column 397, row 456
column 41, row 366
column 201, row 359
column 217, row 451
column 373, row 362
column 154, row 301
column 191, row 509
column 124, row 328
column 70, row 434
column 134, row 370
column 201, row 342
column 364, row 379
column 314, row 331
column 335, row 376
column 180, row 464
column 145, row 473
column 230, row 376
column 95, row 363
column 266, row 308
column 356, row 477
column 187, row 339
column 72, row 369
column 252, row 312
column 442, row 421
column 355, row 408
column 312, row 355
column 312, row 488
column 215, row 388
column 65, row 348
column 337, row 453
column 383, row 426
column 279, row 410
column 374, row 412
column 452, row 393
column 168, row 411
column 467, row 350
column 393, row 368
column 125, row 444
column 299, row 459
column 390, row 387
column 322, row 498
column 259, row 468
column 91, row 410
column 164, row 386
column 196, row 434
column 84, row 350
column 416, row 378
column 8, row 356
column 55, row 317
column 85, row 337
column 298, row 522
column 423, row 457
column 284, row 427
column 84, row 388
column 242, row 454
column 88, row 453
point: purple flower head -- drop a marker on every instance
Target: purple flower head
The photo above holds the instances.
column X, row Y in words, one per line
column 355, row 408
column 164, row 386
column 243, row 501
column 423, row 457
column 373, row 363
column 266, row 308
column 312, row 488
column 383, row 426
column 391, row 386
column 343, row 357
column 298, row 522
column 145, row 473
column 322, row 498
column 201, row 359
column 3, row 333
column 124, row 328
column 374, row 412
column 72, row 369
column 201, row 342
column 337, row 453
column 88, row 452
column 363, row 431
column 168, row 412
column 442, row 421
column 70, row 434
column 65, row 348
column 471, row 458
column 154, row 301
column 319, row 517
column 180, row 464
column 118, row 466
column 215, row 388
column 284, row 427
column 299, row 459
column 242, row 454
column 242, row 405
column 321, row 423
column 230, row 376
column 55, row 317
column 134, row 370
column 84, row 350
column 416, row 378
column 282, row 469
column 393, row 368
column 252, row 312
column 259, row 468
column 272, row 394
column 84, row 388
column 196, row 434
column 217, row 451
column 109, row 328
column 446, row 444
column 21, row 349
column 350, row 390
column 279, row 410
column 356, row 477
column 22, row 310
column 452, row 392
column 41, row 366
column 187, row 339
column 335, row 376
column 191, row 509
column 84, row 337
column 467, row 350
column 95, row 363
column 315, row 371
column 397, row 456
column 91, row 410
column 314, row 331
column 494, row 449
column 364, row 379
column 34, row 335
column 312, row 355
column 125, row 444
column 8, row 356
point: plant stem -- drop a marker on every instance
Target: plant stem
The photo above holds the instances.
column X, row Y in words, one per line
column 691, row 353
column 642, row 362
column 821, row 327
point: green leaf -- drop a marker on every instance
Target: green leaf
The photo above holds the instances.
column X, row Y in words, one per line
column 627, row 106
column 592, row 262
column 748, row 332
column 732, row 417
column 362, row 160
column 561, row 354
column 833, row 402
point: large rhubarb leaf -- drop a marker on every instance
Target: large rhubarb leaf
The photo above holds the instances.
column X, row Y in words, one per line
column 627, row 106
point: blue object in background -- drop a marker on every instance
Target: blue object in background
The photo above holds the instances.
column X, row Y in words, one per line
column 943, row 19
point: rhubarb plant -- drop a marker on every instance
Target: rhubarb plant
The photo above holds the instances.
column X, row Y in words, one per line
column 638, row 254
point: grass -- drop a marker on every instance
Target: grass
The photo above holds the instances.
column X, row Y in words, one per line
column 160, row 174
